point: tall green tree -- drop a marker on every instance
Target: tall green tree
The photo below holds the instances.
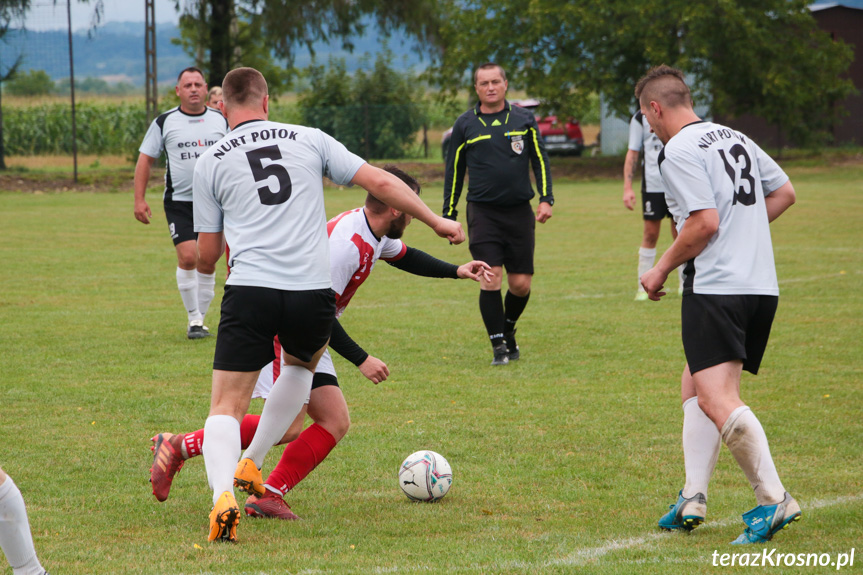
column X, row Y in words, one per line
column 249, row 32
column 766, row 57
column 11, row 12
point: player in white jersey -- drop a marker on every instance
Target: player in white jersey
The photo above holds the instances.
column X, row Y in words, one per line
column 357, row 239
column 653, row 206
column 183, row 133
column 260, row 189
column 723, row 191
column 16, row 540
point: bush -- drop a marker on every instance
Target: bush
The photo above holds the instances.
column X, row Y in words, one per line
column 30, row 83
column 374, row 114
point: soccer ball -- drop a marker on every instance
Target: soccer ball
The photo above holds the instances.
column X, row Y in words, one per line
column 425, row 476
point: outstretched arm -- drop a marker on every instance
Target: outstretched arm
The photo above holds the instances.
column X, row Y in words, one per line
column 396, row 194
column 374, row 369
column 419, row 263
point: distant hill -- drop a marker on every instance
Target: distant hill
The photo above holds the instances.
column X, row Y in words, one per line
column 115, row 52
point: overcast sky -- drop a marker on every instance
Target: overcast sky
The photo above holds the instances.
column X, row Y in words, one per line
column 46, row 15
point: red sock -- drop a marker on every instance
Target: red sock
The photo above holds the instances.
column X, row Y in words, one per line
column 247, row 429
column 248, row 426
column 193, row 442
column 301, row 457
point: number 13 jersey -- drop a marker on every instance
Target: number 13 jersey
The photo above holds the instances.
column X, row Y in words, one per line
column 710, row 166
column 262, row 185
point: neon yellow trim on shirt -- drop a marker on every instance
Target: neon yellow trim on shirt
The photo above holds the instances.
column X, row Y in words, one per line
column 478, row 138
column 541, row 163
column 454, row 178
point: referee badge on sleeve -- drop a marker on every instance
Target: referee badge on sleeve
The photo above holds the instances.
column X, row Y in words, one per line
column 517, row 144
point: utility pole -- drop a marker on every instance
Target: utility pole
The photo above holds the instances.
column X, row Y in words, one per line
column 150, row 56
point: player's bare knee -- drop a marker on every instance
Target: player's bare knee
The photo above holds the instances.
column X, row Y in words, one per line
column 337, row 426
column 289, row 436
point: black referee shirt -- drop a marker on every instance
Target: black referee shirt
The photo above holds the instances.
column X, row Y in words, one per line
column 495, row 149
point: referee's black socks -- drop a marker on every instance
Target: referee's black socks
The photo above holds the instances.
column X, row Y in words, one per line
column 513, row 306
column 491, row 309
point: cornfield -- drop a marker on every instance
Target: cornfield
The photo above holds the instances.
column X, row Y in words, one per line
column 103, row 128
column 113, row 127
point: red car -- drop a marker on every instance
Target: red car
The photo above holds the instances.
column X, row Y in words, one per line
column 558, row 137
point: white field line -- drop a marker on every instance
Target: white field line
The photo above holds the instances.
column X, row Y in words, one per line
column 591, row 554
column 585, row 555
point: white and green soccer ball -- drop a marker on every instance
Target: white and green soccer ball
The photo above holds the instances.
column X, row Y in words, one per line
column 425, row 476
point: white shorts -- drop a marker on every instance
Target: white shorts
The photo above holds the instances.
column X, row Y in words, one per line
column 270, row 373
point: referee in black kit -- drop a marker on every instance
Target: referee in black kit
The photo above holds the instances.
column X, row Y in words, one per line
column 495, row 141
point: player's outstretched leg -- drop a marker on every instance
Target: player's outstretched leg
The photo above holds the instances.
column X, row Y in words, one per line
column 167, row 462
column 300, row 458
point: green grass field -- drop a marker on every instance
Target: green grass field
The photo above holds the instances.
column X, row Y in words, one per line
column 563, row 461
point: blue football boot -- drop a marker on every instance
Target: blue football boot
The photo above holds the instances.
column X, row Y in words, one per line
column 765, row 520
column 686, row 513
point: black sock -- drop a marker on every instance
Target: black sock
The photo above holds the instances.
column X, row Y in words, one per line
column 514, row 305
column 491, row 309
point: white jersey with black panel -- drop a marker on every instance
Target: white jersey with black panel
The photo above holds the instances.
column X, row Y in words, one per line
column 642, row 138
column 354, row 249
column 183, row 137
column 710, row 166
column 262, row 185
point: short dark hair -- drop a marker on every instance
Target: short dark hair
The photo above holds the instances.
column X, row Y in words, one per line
column 243, row 85
column 665, row 85
column 378, row 207
column 192, row 69
column 488, row 66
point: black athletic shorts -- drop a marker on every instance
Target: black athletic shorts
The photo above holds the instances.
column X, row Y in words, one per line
column 324, row 379
column 502, row 236
column 653, row 206
column 721, row 328
column 181, row 222
column 253, row 316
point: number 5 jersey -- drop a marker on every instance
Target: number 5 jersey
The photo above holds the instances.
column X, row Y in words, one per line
column 262, row 185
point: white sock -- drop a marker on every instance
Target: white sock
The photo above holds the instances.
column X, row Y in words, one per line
column 646, row 257
column 289, row 394
column 15, row 537
column 221, row 450
column 187, row 283
column 206, row 292
column 701, row 443
column 747, row 442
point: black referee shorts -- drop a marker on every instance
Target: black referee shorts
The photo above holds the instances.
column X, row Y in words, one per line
column 253, row 316
column 721, row 328
column 502, row 236
column 181, row 222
